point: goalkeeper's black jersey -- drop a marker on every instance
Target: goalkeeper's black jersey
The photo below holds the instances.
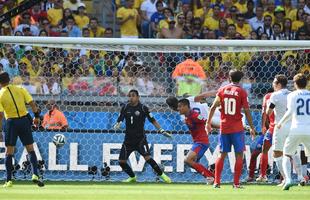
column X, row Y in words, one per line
column 135, row 119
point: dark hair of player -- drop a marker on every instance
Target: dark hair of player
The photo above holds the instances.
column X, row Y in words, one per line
column 4, row 78
column 172, row 103
column 301, row 80
column 235, row 75
column 281, row 79
column 184, row 102
column 134, row 91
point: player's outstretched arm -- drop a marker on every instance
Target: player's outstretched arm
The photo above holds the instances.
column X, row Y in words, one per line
column 161, row 130
column 250, row 121
column 201, row 96
column 36, row 111
column 215, row 104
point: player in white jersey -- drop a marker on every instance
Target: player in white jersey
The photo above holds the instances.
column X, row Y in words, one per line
column 298, row 113
column 278, row 103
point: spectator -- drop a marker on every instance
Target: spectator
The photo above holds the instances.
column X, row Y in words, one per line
column 43, row 33
column 50, row 86
column 168, row 13
column 269, row 9
column 189, row 17
column 266, row 28
column 257, row 21
column 36, row 13
column 180, row 20
column 73, row 5
column 241, row 6
column 293, row 13
column 306, row 28
column 222, row 31
column 241, row 27
column 95, row 29
column 157, row 17
column 148, row 8
column 108, row 33
column 189, row 76
column 212, row 23
column 299, row 22
column 64, row 33
column 25, row 22
column 172, row 32
column 253, row 35
column 71, row 28
column 81, row 19
column 232, row 17
column 287, row 33
column 9, row 64
column 18, row 33
column 197, row 27
column 44, row 24
column 54, row 119
column 279, row 14
column 250, row 10
column 276, row 35
column 231, row 32
column 128, row 19
column 287, row 4
column 28, row 85
column 203, row 9
column 55, row 14
column 186, row 7
column 307, row 7
column 263, row 36
column 66, row 13
column 85, row 32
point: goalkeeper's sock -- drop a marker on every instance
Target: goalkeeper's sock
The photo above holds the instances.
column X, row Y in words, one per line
column 253, row 160
column 126, row 168
column 155, row 166
column 219, row 164
column 9, row 167
column 238, row 169
column 34, row 162
column 264, row 164
column 202, row 170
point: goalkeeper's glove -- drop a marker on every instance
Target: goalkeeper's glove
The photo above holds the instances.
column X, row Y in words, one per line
column 117, row 126
column 165, row 133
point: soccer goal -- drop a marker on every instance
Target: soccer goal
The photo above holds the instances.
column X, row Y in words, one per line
column 90, row 78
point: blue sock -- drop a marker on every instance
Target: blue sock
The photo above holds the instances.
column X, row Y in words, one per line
column 34, row 162
column 9, row 167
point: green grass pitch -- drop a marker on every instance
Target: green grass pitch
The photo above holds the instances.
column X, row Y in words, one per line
column 148, row 191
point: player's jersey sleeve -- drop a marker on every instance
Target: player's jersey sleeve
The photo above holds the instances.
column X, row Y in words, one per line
column 264, row 107
column 290, row 104
column 273, row 99
column 149, row 115
column 122, row 114
column 197, row 118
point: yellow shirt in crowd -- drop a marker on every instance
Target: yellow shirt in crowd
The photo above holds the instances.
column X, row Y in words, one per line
column 129, row 28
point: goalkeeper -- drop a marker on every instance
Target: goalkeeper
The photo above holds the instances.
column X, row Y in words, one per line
column 134, row 114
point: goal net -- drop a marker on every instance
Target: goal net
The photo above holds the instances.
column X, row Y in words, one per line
column 89, row 78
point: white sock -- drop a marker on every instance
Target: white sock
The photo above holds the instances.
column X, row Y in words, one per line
column 278, row 161
column 297, row 165
column 304, row 170
column 287, row 168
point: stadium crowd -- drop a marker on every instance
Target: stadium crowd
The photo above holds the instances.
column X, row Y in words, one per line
column 79, row 71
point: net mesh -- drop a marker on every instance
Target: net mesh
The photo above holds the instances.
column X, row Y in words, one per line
column 90, row 83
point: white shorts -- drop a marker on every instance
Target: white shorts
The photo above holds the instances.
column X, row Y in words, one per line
column 292, row 142
column 279, row 136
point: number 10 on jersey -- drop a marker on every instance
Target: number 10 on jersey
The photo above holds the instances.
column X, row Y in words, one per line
column 230, row 106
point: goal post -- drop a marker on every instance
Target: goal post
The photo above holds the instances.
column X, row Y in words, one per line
column 89, row 78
